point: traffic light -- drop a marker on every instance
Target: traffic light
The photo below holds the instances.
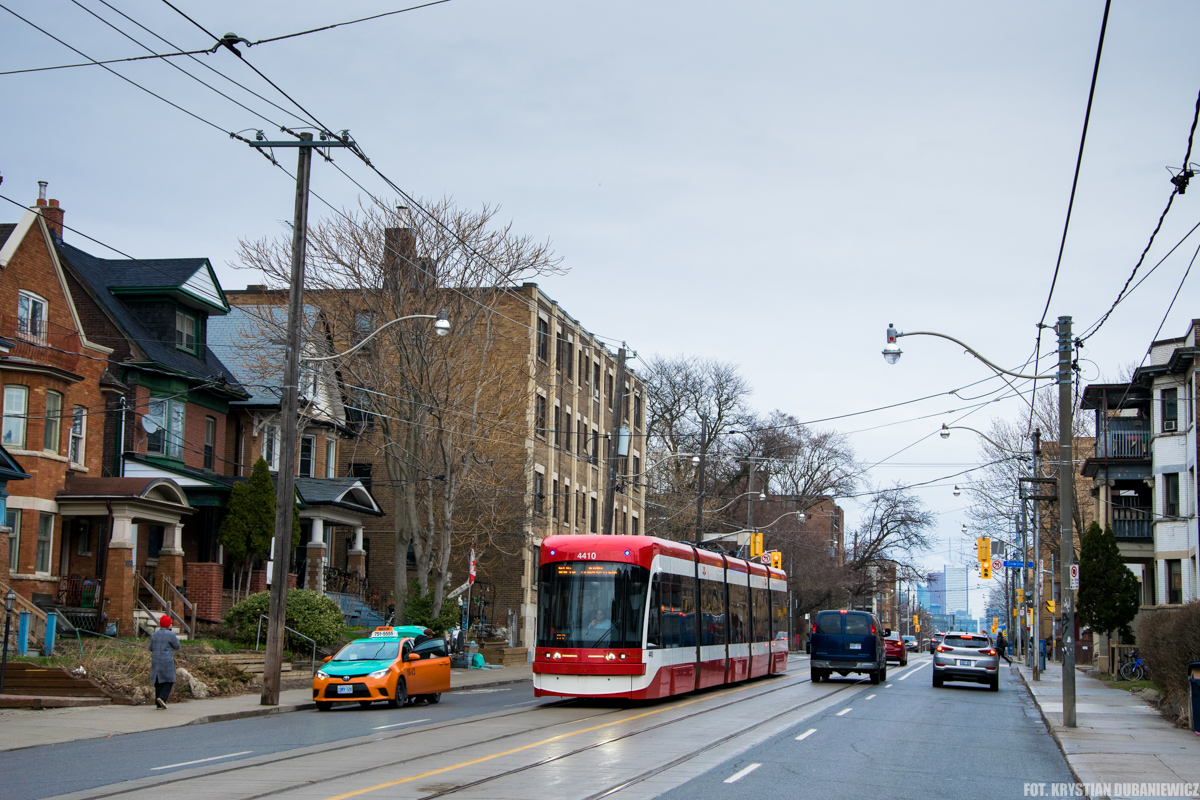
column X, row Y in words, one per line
column 985, row 570
column 916, row 620
column 756, row 545
column 1050, row 606
column 985, row 549
column 917, row 627
column 776, row 559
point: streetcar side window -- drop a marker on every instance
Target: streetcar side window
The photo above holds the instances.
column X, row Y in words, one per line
column 762, row 618
column 779, row 613
column 712, row 607
column 739, row 612
column 653, row 631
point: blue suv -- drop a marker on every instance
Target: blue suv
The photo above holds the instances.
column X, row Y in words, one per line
column 845, row 642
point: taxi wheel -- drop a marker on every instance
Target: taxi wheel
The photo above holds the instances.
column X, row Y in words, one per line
column 401, row 696
column 324, row 705
column 432, row 699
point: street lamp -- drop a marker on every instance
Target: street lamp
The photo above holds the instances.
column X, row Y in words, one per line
column 9, row 600
column 1066, row 481
column 441, row 326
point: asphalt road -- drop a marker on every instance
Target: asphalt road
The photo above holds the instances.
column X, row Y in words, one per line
column 73, row 766
column 901, row 740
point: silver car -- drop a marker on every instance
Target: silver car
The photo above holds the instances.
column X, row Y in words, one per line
column 969, row 657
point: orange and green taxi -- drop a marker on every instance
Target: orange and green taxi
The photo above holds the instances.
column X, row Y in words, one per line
column 397, row 665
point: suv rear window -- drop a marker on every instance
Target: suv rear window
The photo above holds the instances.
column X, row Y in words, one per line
column 976, row 642
column 829, row 622
column 858, row 625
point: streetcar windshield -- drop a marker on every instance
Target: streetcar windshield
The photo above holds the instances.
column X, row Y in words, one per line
column 591, row 604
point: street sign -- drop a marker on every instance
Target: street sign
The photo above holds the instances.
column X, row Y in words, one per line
column 1074, row 576
column 997, row 564
column 1017, row 564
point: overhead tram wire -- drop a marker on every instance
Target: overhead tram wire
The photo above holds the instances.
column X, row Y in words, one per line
column 1037, row 346
column 1180, row 183
column 176, row 66
column 131, row 82
column 213, row 49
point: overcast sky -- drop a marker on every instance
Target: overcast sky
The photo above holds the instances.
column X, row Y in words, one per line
column 769, row 184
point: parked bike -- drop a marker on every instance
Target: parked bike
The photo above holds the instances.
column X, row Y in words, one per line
column 1134, row 668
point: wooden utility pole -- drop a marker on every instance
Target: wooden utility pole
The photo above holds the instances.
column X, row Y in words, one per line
column 614, row 445
column 285, row 484
column 1066, row 498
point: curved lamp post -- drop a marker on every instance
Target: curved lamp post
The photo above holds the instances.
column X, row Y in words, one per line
column 441, row 325
column 1066, row 483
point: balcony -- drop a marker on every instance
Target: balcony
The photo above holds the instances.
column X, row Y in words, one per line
column 45, row 344
column 1121, row 438
column 1132, row 523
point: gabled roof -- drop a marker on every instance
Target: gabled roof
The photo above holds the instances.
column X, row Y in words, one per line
column 348, row 493
column 100, row 274
column 187, row 280
column 239, row 337
column 10, row 470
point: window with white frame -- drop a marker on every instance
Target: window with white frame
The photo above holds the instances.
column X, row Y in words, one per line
column 185, row 331
column 52, row 430
column 165, row 436
column 75, row 451
column 13, row 520
column 308, row 452
column 31, row 316
column 270, row 447
column 45, row 539
column 16, row 407
column 330, row 458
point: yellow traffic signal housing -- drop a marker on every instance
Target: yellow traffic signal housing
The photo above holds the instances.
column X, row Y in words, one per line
column 1020, row 595
column 985, row 570
column 985, row 549
column 756, row 545
column 917, row 627
column 777, row 559
column 916, row 620
column 1050, row 606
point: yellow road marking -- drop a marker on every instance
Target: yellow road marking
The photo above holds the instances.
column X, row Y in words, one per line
column 560, row 737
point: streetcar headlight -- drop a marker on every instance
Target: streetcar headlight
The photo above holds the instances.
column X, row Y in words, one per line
column 611, row 657
column 622, row 656
column 322, row 675
column 556, row 656
column 379, row 673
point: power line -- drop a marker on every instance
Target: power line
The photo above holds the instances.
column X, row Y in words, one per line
column 349, row 22
column 106, row 61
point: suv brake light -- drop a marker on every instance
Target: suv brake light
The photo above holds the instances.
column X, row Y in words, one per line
column 941, row 649
column 991, row 652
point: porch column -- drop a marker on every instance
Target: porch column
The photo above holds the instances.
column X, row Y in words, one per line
column 356, row 559
column 119, row 591
column 170, row 557
column 314, row 577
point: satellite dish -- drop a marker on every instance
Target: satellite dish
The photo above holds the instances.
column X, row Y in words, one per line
column 149, row 425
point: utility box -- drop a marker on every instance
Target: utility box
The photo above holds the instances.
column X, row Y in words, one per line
column 1194, row 690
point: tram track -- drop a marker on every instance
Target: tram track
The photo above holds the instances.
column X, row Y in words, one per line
column 425, row 731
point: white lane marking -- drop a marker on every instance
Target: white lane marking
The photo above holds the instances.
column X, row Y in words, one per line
column 806, row 734
column 887, row 686
column 399, row 724
column 911, row 671
column 201, row 760
column 844, row 711
column 737, row 776
column 870, row 696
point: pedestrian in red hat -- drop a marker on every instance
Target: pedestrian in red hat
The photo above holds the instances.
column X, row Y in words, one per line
column 163, row 644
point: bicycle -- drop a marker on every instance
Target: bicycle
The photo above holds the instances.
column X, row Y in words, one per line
column 1134, row 668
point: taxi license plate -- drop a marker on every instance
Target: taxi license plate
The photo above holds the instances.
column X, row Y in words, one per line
column 345, row 690
column 966, row 662
column 856, row 647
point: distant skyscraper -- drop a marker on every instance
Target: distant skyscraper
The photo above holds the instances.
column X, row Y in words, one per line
column 923, row 597
column 955, row 583
column 937, row 593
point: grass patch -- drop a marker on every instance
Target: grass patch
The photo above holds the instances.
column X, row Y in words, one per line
column 1127, row 685
column 213, row 645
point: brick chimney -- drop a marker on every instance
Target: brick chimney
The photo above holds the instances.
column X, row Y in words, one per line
column 50, row 211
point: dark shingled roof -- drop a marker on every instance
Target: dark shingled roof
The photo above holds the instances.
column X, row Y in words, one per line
column 101, row 273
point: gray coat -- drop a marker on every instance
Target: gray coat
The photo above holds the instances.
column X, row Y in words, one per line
column 163, row 644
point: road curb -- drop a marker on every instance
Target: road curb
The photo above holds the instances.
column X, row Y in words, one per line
column 1049, row 727
column 265, row 711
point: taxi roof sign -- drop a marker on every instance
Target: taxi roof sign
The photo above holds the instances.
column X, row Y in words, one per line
column 384, row 632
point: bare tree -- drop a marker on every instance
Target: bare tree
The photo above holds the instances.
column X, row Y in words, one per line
column 894, row 528
column 446, row 415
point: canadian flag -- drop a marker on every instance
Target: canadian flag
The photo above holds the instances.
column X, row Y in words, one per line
column 471, row 570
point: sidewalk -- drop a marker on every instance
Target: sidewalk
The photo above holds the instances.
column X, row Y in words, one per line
column 21, row 727
column 1118, row 737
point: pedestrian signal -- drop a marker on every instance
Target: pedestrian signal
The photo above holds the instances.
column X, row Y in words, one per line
column 756, row 545
column 1050, row 606
column 985, row 549
column 1020, row 595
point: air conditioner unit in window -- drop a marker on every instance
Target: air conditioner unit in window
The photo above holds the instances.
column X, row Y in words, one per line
column 1170, row 425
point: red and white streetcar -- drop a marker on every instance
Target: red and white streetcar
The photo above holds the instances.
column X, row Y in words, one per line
column 637, row 617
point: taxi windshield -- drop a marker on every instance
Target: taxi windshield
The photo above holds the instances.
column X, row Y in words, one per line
column 383, row 650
